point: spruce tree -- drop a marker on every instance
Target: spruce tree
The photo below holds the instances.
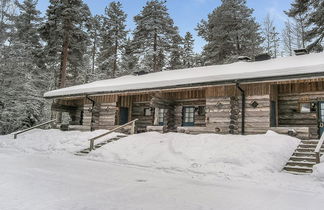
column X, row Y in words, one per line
column 316, row 24
column 113, row 37
column 65, row 33
column 25, row 78
column 230, row 31
column 188, row 54
column 129, row 61
column 176, row 55
column 95, row 28
column 7, row 10
column 154, row 35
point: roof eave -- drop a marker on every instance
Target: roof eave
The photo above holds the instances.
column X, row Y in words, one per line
column 204, row 84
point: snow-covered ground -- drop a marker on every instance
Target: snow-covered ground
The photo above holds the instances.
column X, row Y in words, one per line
column 153, row 171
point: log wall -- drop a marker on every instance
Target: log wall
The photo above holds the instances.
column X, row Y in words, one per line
column 289, row 98
column 257, row 120
column 138, row 113
column 219, row 113
column 107, row 117
column 289, row 111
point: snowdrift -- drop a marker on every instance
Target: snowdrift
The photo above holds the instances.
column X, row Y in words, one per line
column 221, row 155
column 318, row 170
column 205, row 153
column 50, row 141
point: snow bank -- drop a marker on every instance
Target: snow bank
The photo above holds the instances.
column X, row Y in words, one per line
column 204, row 153
column 50, row 141
column 318, row 170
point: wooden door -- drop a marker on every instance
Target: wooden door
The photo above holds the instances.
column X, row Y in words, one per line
column 273, row 114
column 123, row 115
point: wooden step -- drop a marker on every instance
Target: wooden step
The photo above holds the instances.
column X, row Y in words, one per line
column 309, row 142
column 298, row 169
column 98, row 145
column 304, row 154
column 300, row 163
column 313, row 146
column 303, row 158
column 304, row 149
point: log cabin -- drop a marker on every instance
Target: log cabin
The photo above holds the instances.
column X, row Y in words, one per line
column 285, row 95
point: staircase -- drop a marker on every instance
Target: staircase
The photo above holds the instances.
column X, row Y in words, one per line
column 97, row 146
column 304, row 158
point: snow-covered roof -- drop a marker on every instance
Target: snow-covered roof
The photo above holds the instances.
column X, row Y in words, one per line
column 280, row 67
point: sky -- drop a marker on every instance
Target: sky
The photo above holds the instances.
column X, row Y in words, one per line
column 188, row 13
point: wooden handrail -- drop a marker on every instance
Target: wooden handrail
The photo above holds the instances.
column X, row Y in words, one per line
column 111, row 131
column 31, row 128
column 318, row 149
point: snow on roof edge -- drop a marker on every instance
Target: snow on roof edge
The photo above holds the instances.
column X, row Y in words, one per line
column 287, row 66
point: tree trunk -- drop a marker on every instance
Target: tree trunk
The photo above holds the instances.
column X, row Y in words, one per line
column 155, row 51
column 115, row 59
column 64, row 58
column 94, row 52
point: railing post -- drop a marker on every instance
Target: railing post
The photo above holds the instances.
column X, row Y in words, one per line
column 318, row 159
column 133, row 128
column 91, row 144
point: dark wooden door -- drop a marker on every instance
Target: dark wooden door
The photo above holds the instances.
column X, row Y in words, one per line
column 123, row 115
column 273, row 114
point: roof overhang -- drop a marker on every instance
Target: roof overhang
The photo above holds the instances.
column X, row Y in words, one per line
column 271, row 79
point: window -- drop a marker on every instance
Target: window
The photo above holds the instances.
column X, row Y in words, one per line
column 188, row 116
column 161, row 116
column 147, row 112
column 305, row 107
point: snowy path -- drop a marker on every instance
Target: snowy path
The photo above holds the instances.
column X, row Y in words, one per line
column 33, row 181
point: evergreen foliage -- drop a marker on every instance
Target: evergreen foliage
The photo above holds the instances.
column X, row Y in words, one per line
column 230, row 31
column 155, row 36
column 188, row 53
column 113, row 37
column 310, row 21
column 24, row 77
column 65, row 33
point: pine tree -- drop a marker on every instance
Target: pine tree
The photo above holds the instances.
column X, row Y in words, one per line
column 96, row 25
column 230, row 31
column 65, row 33
column 25, row 78
column 188, row 54
column 176, row 55
column 154, row 35
column 113, row 37
column 316, row 23
column 7, row 10
column 129, row 61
